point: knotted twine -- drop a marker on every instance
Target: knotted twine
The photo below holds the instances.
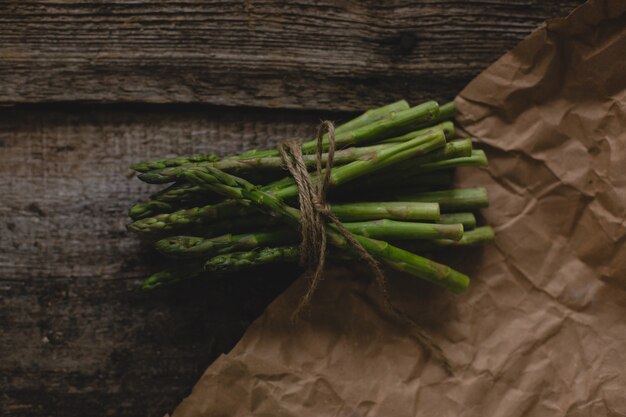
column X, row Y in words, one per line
column 315, row 214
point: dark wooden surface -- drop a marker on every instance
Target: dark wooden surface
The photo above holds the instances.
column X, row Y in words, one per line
column 303, row 54
column 75, row 338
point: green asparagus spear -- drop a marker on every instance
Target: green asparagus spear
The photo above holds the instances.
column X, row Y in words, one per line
column 150, row 208
column 477, row 159
column 385, row 113
column 395, row 123
column 168, row 222
column 372, row 115
column 468, row 220
column 452, row 200
column 188, row 270
column 241, row 165
column 179, row 193
column 386, row 210
column 447, row 111
column 236, row 261
column 194, row 247
column 446, row 127
column 478, row 236
column 395, row 230
column 146, row 166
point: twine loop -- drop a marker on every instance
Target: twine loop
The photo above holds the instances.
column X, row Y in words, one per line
column 316, row 215
column 316, row 212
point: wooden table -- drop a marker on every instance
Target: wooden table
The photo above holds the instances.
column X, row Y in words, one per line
column 87, row 88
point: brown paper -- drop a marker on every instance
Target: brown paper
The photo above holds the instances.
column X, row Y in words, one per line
column 542, row 329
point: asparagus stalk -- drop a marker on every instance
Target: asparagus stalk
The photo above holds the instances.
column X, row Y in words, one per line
column 386, row 210
column 178, row 196
column 447, row 111
column 396, row 230
column 478, row 236
column 397, row 122
column 169, row 222
column 230, row 262
column 194, row 247
column 237, row 261
column 446, row 127
column 150, row 208
column 399, row 259
column 198, row 247
column 468, row 220
column 275, row 163
column 146, row 166
column 476, row 159
column 179, row 193
column 174, row 275
column 452, row 151
column 373, row 115
column 452, row 200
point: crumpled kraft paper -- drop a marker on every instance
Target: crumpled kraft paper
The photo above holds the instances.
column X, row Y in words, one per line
column 542, row 329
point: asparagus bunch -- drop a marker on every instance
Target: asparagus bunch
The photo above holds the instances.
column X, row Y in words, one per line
column 391, row 187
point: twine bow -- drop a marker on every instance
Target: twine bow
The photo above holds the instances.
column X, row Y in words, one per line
column 316, row 214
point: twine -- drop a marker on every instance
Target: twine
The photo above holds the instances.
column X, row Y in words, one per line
column 315, row 214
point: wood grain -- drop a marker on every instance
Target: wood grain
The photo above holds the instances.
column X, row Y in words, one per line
column 75, row 338
column 307, row 54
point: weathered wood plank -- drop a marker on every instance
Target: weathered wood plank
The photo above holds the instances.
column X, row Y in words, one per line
column 75, row 339
column 306, row 54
